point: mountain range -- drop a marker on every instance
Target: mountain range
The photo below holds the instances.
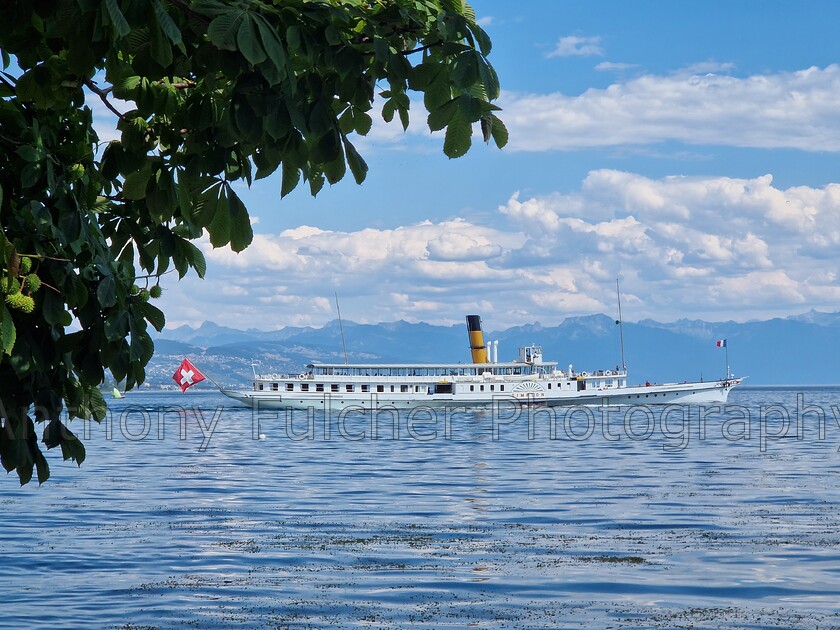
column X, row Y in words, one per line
column 803, row 349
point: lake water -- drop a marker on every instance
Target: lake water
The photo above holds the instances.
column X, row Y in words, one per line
column 479, row 519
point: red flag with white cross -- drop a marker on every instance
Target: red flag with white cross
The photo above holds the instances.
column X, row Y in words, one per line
column 187, row 375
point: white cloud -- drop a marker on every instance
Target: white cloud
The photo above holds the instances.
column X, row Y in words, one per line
column 713, row 247
column 705, row 244
column 708, row 67
column 577, row 46
column 784, row 110
column 610, row 66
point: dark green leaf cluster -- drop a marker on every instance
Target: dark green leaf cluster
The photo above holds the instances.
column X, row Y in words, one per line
column 205, row 94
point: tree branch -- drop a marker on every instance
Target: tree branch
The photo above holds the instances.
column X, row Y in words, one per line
column 406, row 53
column 103, row 95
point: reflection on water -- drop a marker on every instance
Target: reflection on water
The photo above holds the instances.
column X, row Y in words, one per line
column 183, row 518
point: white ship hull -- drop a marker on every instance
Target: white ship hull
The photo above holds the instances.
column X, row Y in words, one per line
column 673, row 393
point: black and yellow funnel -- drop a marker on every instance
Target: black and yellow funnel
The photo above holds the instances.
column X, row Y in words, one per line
column 479, row 351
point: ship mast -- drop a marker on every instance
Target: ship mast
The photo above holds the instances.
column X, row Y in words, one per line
column 341, row 328
column 620, row 323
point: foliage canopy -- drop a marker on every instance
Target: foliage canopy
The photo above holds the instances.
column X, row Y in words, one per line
column 205, row 93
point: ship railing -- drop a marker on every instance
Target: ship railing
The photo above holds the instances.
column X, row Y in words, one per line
column 285, row 377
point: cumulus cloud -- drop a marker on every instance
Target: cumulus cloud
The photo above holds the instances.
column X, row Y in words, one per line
column 708, row 244
column 784, row 110
column 708, row 247
column 577, row 46
column 612, row 66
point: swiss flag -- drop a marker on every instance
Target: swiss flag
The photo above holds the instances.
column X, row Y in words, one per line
column 187, row 375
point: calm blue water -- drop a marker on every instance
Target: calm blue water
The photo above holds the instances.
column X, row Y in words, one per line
column 482, row 526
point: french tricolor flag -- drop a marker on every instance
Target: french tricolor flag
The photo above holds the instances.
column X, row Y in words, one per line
column 721, row 343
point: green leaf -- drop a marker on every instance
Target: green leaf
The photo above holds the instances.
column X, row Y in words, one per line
column 293, row 39
column 56, row 433
column 219, row 227
column 224, row 29
column 124, row 89
column 403, row 112
column 332, row 36
column 117, row 18
column 41, row 466
column 498, row 131
column 153, row 315
column 52, row 307
column 471, row 108
column 272, row 45
column 465, row 70
column 241, row 233
column 29, row 153
column 19, row 448
column 161, row 47
column 453, row 6
column 481, row 38
column 167, row 24
column 388, row 110
column 363, row 123
column 8, row 333
column 316, row 182
column 52, row 433
column 196, row 258
column 458, row 137
column 291, row 177
column 106, row 292
column 134, row 186
column 97, row 408
column 116, row 326
column 335, row 169
column 249, row 42
column 440, row 117
column 489, row 78
column 439, row 89
column 357, row 165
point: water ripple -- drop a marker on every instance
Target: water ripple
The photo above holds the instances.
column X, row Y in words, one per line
column 466, row 531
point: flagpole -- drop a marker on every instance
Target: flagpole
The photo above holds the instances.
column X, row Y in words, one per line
column 726, row 353
column 212, row 380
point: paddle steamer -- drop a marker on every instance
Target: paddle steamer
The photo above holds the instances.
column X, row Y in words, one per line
column 528, row 379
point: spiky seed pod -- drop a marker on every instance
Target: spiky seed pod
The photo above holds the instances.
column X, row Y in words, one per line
column 144, row 295
column 155, row 291
column 9, row 288
column 76, row 172
column 135, row 290
column 21, row 302
column 27, row 304
column 33, row 283
column 25, row 265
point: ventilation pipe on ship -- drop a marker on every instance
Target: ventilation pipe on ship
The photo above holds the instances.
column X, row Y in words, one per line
column 496, row 351
column 477, row 348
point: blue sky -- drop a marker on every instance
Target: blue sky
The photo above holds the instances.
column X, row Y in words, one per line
column 691, row 150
